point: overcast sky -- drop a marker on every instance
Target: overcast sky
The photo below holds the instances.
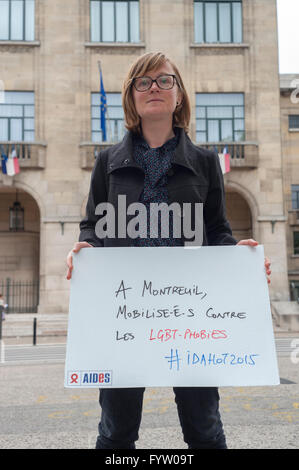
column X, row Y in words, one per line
column 288, row 35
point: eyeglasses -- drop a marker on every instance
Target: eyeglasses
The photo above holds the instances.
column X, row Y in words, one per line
column 165, row 82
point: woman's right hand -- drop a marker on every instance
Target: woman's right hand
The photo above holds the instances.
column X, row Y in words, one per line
column 69, row 259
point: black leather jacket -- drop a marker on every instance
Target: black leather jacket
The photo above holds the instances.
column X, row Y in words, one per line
column 195, row 176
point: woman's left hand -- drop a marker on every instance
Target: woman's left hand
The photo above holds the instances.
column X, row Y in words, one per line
column 252, row 242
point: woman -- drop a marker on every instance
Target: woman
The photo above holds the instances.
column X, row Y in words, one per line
column 157, row 162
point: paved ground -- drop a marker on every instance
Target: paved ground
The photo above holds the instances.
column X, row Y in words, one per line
column 36, row 412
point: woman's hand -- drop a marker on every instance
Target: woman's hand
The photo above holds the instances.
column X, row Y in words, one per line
column 252, row 242
column 69, row 259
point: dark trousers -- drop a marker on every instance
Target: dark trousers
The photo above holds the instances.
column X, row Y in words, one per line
column 198, row 410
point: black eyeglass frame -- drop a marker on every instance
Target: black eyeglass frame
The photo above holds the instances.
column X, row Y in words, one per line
column 155, row 80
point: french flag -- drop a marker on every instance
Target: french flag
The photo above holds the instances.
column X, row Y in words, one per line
column 12, row 164
column 224, row 158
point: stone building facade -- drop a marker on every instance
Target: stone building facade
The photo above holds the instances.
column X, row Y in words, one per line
column 289, row 99
column 227, row 53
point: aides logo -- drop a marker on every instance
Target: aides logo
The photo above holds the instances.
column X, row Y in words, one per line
column 89, row 378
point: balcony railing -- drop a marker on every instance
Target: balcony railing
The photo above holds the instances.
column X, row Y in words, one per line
column 243, row 155
column 89, row 152
column 30, row 154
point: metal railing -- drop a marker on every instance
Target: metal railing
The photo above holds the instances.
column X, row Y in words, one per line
column 242, row 154
column 30, row 154
column 20, row 296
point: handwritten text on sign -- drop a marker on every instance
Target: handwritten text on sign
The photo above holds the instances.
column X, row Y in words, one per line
column 170, row 317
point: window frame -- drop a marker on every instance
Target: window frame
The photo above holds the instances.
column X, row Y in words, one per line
column 296, row 116
column 113, row 122
column 218, row 21
column 294, row 289
column 295, row 243
column 24, row 29
column 22, row 117
column 220, row 119
column 101, row 40
column 295, row 200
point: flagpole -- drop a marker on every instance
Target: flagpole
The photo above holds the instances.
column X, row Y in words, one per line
column 108, row 120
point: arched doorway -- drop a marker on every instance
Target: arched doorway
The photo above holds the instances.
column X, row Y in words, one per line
column 19, row 250
column 239, row 215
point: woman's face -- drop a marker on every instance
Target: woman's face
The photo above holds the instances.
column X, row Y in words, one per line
column 156, row 103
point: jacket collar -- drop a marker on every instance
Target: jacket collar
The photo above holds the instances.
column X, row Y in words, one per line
column 122, row 155
column 185, row 152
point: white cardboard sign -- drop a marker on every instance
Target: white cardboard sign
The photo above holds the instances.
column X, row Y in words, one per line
column 170, row 316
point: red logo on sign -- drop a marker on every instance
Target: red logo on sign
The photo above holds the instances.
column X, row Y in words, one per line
column 74, row 378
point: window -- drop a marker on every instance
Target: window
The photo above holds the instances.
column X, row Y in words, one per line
column 114, row 117
column 294, row 289
column 220, row 117
column 17, row 20
column 294, row 121
column 114, row 21
column 295, row 196
column 17, row 116
column 296, row 243
column 218, row 21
